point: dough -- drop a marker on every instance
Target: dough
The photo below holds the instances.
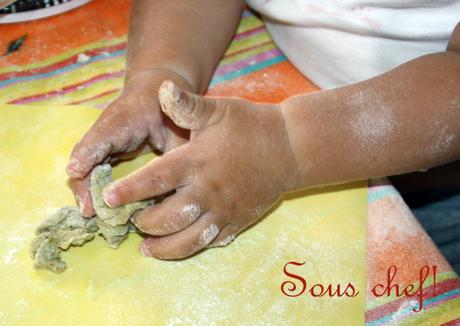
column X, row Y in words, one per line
column 61, row 230
column 112, row 222
column 67, row 227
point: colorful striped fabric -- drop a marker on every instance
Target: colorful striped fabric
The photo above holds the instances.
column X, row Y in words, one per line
column 441, row 305
column 93, row 74
column 441, row 302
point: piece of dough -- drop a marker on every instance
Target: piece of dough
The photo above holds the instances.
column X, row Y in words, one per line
column 67, row 227
column 61, row 230
column 113, row 223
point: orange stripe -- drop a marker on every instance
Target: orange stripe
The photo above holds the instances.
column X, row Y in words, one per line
column 95, row 21
column 57, row 65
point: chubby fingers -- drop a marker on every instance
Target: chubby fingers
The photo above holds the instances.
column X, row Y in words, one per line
column 80, row 188
column 160, row 176
column 173, row 214
column 183, row 243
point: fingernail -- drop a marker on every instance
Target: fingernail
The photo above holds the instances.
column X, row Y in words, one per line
column 159, row 146
column 111, row 199
column 136, row 221
column 73, row 168
column 88, row 212
column 145, row 251
column 176, row 92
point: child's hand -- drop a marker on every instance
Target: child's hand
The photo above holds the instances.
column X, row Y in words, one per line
column 133, row 120
column 236, row 166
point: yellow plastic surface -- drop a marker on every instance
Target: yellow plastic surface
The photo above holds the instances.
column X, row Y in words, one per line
column 237, row 284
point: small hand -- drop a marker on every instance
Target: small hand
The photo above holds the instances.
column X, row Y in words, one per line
column 133, row 121
column 236, row 165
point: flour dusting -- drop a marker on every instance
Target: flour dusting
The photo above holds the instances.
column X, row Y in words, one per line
column 14, row 243
column 191, row 212
column 209, row 234
column 442, row 139
column 373, row 119
column 224, row 242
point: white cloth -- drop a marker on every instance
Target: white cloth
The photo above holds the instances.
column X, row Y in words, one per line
column 340, row 42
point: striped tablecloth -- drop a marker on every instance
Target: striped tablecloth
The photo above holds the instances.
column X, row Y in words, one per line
column 63, row 64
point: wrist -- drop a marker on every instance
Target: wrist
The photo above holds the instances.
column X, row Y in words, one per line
column 324, row 137
column 151, row 79
column 301, row 128
column 294, row 168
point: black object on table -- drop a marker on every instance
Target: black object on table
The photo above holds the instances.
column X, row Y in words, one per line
column 29, row 5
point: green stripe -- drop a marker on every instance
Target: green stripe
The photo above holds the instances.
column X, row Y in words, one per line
column 247, row 54
column 244, row 43
column 248, row 23
column 437, row 315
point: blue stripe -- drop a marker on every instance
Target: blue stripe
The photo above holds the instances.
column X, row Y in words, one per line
column 234, row 74
column 379, row 194
column 407, row 310
column 62, row 70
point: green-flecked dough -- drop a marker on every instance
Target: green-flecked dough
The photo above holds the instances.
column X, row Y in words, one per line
column 58, row 232
column 67, row 227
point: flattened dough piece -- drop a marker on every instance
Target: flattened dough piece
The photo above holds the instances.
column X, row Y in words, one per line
column 113, row 223
column 63, row 229
column 67, row 227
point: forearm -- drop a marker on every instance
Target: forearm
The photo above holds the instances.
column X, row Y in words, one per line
column 185, row 37
column 405, row 120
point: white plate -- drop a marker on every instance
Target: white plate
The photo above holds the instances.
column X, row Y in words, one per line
column 41, row 13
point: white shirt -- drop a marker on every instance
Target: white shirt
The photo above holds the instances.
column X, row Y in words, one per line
column 335, row 43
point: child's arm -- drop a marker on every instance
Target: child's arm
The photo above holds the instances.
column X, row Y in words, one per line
column 187, row 38
column 405, row 120
column 243, row 156
column 176, row 40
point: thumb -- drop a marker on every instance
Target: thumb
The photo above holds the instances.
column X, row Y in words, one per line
column 187, row 110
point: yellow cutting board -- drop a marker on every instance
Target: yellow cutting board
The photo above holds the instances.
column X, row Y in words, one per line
column 237, row 284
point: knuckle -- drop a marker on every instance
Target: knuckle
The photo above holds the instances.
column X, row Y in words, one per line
column 207, row 236
column 189, row 212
